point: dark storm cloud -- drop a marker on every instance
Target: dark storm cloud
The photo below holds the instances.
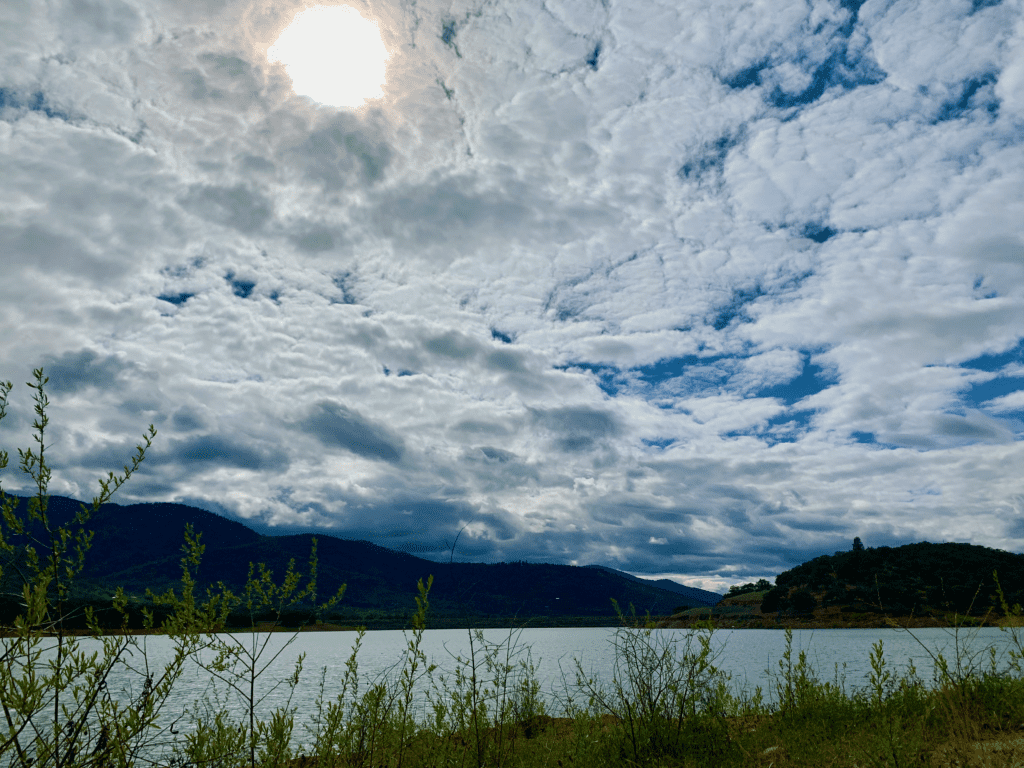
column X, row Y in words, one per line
column 187, row 419
column 577, row 429
column 620, row 509
column 316, row 239
column 217, row 451
column 423, row 525
column 460, row 213
column 76, row 371
column 222, row 78
column 433, row 213
column 497, row 470
column 477, row 427
column 343, row 153
column 507, row 361
column 238, row 207
column 453, row 345
column 336, row 425
column 44, row 247
column 497, row 454
column 975, row 429
column 100, row 22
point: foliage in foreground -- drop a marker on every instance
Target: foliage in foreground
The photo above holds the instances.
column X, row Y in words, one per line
column 666, row 704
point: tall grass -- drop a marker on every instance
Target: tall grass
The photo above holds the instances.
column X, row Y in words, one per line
column 666, row 703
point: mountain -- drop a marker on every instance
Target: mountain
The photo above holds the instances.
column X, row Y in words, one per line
column 138, row 546
column 701, row 596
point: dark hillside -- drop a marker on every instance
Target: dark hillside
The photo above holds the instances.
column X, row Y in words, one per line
column 126, row 536
column 139, row 546
column 385, row 580
column 701, row 596
column 914, row 578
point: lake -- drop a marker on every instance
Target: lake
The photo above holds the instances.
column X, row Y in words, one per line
column 750, row 656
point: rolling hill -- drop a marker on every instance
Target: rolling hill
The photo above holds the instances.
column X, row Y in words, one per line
column 138, row 546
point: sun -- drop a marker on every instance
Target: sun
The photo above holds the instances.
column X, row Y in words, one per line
column 333, row 55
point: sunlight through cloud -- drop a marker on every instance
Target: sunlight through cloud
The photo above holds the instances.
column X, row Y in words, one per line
column 333, row 55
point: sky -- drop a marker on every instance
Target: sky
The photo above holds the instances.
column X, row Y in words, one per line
column 689, row 288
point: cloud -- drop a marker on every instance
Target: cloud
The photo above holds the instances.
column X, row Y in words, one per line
column 338, row 426
column 680, row 288
column 577, row 429
column 235, row 207
column 204, row 451
column 76, row 371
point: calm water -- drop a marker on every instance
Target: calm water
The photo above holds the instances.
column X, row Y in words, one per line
column 750, row 656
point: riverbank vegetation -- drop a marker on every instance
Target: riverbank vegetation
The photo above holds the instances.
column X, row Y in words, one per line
column 70, row 702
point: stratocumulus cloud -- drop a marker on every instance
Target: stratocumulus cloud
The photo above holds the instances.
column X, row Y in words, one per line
column 681, row 289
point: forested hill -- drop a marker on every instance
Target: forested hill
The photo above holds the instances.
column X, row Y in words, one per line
column 914, row 578
column 138, row 546
column 700, row 596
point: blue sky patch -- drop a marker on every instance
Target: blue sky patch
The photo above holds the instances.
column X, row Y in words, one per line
column 609, row 378
column 343, row 282
column 996, row 362
column 978, row 5
column 787, row 427
column 974, row 94
column 812, row 380
column 822, row 79
column 448, row 30
column 853, row 6
column 817, row 232
column 736, row 308
column 659, row 443
column 709, row 159
column 845, row 67
column 867, row 438
column 175, row 298
column 241, row 288
column 705, row 370
column 837, row 70
column 1013, row 381
column 35, row 102
column 988, row 390
column 747, row 76
column 693, row 375
column 504, row 338
column 673, row 377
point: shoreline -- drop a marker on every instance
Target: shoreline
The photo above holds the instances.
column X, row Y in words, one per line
column 676, row 622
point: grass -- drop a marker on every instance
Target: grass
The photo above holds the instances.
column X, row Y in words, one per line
column 667, row 705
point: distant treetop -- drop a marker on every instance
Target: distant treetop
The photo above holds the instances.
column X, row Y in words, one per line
column 761, row 586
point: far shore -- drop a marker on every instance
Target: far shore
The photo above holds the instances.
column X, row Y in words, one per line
column 834, row 620
column 674, row 622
